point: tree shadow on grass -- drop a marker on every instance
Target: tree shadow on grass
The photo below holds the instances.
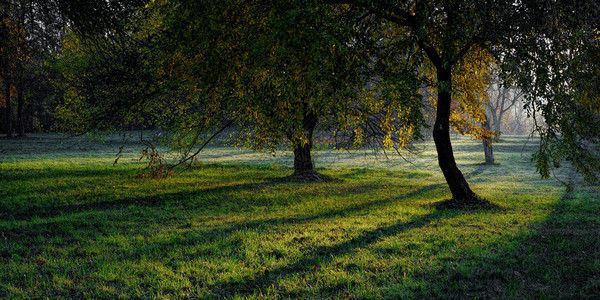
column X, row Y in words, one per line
column 20, row 175
column 479, row 168
column 101, row 209
column 228, row 229
column 89, row 221
column 219, row 196
column 95, row 213
column 559, row 258
column 325, row 254
column 45, row 206
column 261, row 280
column 77, row 228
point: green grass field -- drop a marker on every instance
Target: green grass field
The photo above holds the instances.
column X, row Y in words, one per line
column 72, row 225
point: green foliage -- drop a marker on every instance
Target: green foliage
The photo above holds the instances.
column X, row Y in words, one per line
column 271, row 68
column 550, row 54
column 277, row 69
column 556, row 65
column 107, row 81
column 276, row 63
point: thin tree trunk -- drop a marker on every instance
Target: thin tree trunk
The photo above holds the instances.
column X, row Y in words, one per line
column 487, row 146
column 461, row 192
column 20, row 110
column 8, row 112
column 498, row 122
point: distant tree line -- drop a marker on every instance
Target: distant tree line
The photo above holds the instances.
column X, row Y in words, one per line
column 31, row 35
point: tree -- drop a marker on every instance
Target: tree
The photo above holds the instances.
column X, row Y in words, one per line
column 279, row 68
column 550, row 54
column 488, row 150
column 9, row 54
column 275, row 69
column 290, row 67
column 447, row 34
column 31, row 35
column 23, row 52
column 501, row 99
column 28, row 39
column 299, row 72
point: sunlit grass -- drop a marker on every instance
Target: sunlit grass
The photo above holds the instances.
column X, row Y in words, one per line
column 73, row 225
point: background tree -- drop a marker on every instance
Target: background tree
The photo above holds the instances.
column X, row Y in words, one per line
column 24, row 56
column 32, row 31
column 500, row 100
column 9, row 56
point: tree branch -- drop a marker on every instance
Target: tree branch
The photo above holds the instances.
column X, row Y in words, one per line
column 203, row 145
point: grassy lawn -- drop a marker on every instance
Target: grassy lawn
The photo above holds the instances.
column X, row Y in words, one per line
column 73, row 225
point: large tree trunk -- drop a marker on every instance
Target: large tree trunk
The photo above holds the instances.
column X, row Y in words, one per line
column 8, row 112
column 302, row 159
column 20, row 111
column 304, row 169
column 461, row 192
column 487, row 145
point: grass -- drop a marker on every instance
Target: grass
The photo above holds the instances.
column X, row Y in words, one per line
column 73, row 225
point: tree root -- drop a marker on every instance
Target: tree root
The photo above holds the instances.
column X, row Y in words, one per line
column 309, row 176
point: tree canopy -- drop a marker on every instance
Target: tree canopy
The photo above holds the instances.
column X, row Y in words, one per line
column 275, row 70
column 539, row 45
column 279, row 70
column 554, row 60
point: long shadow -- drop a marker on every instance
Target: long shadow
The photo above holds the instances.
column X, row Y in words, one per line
column 29, row 175
column 102, row 207
column 559, row 259
column 478, row 170
column 19, row 175
column 93, row 225
column 27, row 212
column 323, row 255
column 224, row 231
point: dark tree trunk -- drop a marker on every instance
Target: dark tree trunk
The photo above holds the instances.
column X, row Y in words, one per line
column 487, row 146
column 20, row 110
column 461, row 192
column 302, row 159
column 8, row 112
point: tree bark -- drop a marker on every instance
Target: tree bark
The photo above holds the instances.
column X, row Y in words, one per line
column 487, row 146
column 303, row 163
column 8, row 112
column 302, row 159
column 20, row 111
column 461, row 192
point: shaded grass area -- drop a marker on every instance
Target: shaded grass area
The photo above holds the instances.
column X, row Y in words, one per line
column 75, row 226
